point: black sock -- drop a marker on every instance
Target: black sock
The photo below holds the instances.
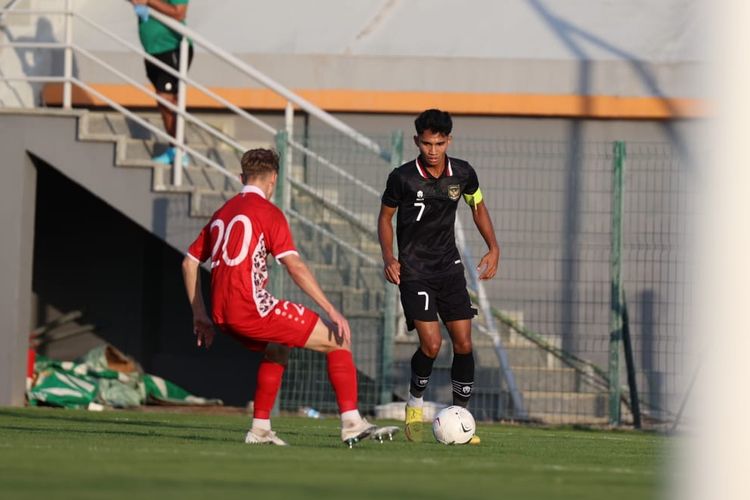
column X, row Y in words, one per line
column 462, row 377
column 421, row 368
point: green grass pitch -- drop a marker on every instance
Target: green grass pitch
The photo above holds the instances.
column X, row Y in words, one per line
column 47, row 453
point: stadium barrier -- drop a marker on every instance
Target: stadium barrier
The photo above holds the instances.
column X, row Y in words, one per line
column 554, row 215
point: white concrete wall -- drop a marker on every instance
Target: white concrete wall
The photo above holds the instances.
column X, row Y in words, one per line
column 594, row 47
column 646, row 30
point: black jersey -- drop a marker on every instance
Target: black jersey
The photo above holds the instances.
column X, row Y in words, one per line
column 427, row 215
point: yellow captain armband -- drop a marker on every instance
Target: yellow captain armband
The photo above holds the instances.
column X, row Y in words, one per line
column 474, row 199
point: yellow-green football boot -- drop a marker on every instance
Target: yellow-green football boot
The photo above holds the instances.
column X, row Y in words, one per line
column 414, row 429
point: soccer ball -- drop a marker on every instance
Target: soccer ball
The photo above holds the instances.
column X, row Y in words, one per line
column 453, row 425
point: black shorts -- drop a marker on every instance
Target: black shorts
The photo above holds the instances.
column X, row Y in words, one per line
column 425, row 299
column 160, row 79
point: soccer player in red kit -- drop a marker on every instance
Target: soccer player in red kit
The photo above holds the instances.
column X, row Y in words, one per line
column 237, row 240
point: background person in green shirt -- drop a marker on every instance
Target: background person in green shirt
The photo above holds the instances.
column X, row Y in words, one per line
column 164, row 44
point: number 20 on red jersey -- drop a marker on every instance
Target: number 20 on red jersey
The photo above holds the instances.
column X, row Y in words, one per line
column 219, row 252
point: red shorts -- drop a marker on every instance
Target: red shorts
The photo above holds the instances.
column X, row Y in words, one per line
column 288, row 323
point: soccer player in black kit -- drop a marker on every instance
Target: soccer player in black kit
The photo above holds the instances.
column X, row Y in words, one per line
column 428, row 271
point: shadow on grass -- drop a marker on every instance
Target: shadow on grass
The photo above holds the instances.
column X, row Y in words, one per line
column 136, row 425
column 67, row 416
column 153, row 433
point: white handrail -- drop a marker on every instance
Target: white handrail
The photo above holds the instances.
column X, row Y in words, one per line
column 215, row 165
column 333, row 237
column 40, row 12
column 343, row 173
column 323, row 161
column 156, row 130
column 261, row 78
column 33, row 79
column 221, row 100
column 8, row 7
column 197, row 121
column 68, row 56
column 220, row 136
column 243, row 67
column 179, row 134
column 250, row 71
column 34, row 45
column 215, row 133
column 335, row 207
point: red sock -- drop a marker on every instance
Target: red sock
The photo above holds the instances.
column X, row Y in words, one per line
column 266, row 388
column 343, row 377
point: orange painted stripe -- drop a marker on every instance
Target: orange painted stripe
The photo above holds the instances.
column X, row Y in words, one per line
column 368, row 101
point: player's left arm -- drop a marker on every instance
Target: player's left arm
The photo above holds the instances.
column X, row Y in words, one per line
column 304, row 278
column 490, row 261
column 281, row 244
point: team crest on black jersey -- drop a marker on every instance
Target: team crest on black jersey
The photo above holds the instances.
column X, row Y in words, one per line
column 454, row 191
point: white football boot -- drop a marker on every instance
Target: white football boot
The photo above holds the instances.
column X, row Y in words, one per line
column 382, row 433
column 259, row 436
column 353, row 432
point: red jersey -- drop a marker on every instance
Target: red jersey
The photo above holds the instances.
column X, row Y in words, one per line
column 237, row 239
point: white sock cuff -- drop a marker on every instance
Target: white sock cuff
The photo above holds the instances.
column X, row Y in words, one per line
column 417, row 402
column 351, row 416
column 263, row 424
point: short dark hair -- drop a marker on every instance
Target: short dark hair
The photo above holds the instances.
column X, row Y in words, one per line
column 259, row 162
column 439, row 122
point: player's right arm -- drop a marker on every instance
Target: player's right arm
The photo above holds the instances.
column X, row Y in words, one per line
column 202, row 325
column 304, row 278
column 392, row 196
column 198, row 252
column 391, row 267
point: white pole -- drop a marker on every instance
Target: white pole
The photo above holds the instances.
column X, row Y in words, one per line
column 289, row 123
column 180, row 123
column 68, row 58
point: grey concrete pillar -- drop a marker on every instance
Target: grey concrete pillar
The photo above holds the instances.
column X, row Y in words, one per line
column 17, row 207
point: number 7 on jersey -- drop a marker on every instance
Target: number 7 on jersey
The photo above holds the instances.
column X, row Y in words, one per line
column 419, row 204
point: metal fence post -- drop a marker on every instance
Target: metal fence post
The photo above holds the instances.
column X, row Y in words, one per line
column 180, row 119
column 289, row 125
column 616, row 295
column 282, row 193
column 68, row 56
column 627, row 344
column 282, row 147
column 391, row 297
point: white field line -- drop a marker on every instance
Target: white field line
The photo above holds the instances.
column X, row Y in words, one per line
column 598, row 470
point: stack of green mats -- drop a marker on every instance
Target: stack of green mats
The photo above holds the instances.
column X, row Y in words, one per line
column 90, row 382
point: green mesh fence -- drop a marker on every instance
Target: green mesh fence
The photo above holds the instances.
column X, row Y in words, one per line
column 551, row 204
column 333, row 219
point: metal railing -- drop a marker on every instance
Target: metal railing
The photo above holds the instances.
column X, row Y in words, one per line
column 70, row 47
column 8, row 7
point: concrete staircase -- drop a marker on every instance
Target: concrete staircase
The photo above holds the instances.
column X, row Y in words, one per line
column 135, row 146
